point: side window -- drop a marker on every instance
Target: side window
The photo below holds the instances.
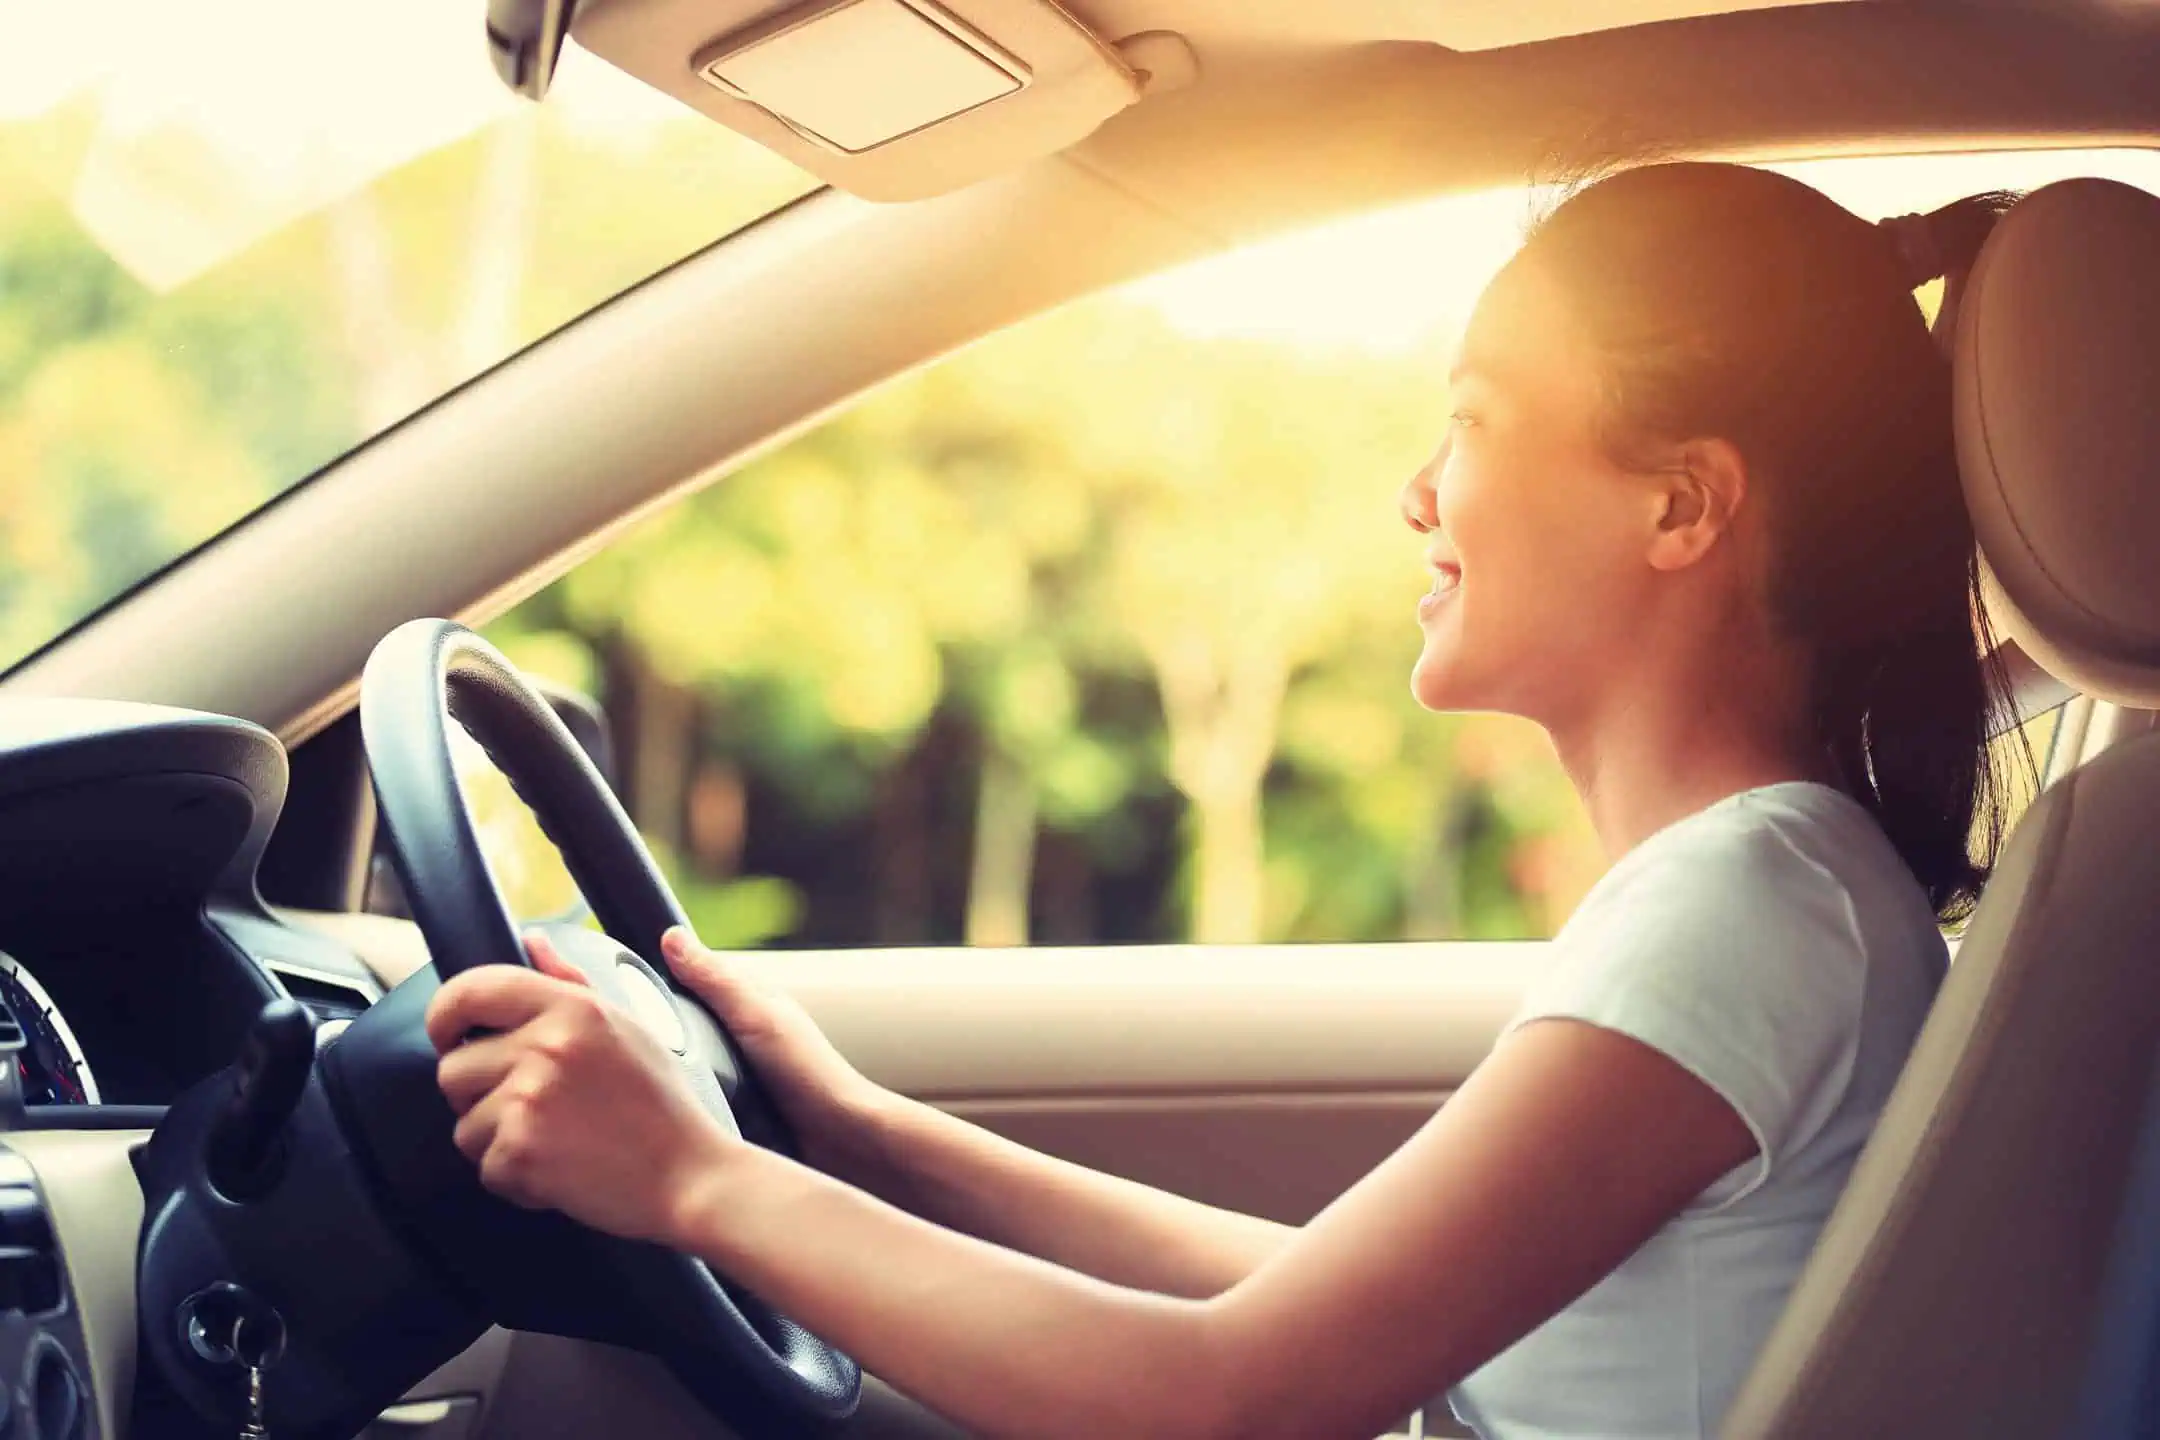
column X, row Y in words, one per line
column 536, row 885
column 1098, row 632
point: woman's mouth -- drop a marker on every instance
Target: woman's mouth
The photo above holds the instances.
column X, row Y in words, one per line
column 1447, row 579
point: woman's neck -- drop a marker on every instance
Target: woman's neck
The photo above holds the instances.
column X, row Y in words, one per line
column 1659, row 752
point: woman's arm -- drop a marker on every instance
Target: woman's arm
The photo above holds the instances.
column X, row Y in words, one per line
column 1570, row 1147
column 966, row 1178
column 960, row 1175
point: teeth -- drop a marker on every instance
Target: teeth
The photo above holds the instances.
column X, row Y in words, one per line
column 1445, row 580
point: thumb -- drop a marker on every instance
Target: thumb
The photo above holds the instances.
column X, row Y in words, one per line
column 549, row 961
column 715, row 979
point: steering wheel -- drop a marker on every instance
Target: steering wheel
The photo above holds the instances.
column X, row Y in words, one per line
column 536, row 1270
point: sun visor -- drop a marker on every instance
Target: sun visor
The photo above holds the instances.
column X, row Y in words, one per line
column 887, row 99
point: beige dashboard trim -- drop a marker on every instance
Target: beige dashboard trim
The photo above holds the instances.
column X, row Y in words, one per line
column 97, row 1211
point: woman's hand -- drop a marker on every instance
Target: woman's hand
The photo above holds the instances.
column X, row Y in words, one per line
column 569, row 1104
column 833, row 1110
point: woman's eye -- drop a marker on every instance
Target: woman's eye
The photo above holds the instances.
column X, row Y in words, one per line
column 1463, row 419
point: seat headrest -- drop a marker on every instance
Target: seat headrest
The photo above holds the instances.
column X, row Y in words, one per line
column 2057, row 381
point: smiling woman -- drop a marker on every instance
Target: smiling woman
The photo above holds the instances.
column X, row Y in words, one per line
column 229, row 253
column 1698, row 517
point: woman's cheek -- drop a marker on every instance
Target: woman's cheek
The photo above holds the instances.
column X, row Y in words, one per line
column 1524, row 554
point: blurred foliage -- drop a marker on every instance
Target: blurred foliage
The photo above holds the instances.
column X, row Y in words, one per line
column 1094, row 581
column 1098, row 631
column 136, row 424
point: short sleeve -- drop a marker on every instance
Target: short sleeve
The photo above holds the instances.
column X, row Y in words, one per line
column 1736, row 956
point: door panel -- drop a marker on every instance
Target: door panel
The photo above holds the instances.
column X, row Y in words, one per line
column 1266, row 1079
column 1281, row 1157
column 957, row 1026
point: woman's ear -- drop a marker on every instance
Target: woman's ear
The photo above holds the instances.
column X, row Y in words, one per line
column 1698, row 493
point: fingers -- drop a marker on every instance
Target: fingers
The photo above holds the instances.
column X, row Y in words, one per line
column 476, row 1127
column 493, row 997
column 495, row 1135
column 469, row 1071
column 549, row 961
column 507, row 1082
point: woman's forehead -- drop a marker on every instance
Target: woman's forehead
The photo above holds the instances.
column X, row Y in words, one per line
column 1522, row 334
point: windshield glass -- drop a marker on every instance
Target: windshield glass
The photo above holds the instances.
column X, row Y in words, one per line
column 240, row 237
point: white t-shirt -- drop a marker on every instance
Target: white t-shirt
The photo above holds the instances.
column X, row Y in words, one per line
column 1777, row 947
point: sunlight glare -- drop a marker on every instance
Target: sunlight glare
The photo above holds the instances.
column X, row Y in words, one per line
column 1391, row 283
column 1405, row 280
column 203, row 147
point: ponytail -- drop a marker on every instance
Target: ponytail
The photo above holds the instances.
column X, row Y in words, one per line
column 1904, row 719
column 1906, row 699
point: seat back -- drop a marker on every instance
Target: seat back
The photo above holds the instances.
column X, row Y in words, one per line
column 1954, row 1290
column 2122, row 1382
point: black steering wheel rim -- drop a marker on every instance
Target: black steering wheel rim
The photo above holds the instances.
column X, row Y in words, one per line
column 752, row 1366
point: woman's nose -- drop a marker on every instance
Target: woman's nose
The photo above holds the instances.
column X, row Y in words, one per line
column 1417, row 500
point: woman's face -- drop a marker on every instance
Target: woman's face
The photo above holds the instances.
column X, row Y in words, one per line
column 1537, row 539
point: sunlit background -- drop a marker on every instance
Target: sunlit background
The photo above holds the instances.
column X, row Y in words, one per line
column 1112, row 645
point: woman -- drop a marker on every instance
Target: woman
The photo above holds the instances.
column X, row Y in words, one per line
column 1697, row 515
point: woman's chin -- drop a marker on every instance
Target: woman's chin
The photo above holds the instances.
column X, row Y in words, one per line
column 1435, row 685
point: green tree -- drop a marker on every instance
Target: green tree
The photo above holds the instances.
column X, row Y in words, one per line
column 1246, row 495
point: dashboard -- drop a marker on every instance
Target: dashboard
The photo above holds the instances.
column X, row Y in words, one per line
column 134, row 946
column 135, row 951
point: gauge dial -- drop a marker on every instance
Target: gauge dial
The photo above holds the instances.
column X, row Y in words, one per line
column 53, row 1069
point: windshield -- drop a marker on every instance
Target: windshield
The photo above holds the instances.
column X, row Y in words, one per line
column 240, row 237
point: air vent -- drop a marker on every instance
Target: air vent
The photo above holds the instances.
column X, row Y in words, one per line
column 29, row 1261
column 329, row 1001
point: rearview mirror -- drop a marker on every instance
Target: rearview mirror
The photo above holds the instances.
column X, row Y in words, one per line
column 525, row 39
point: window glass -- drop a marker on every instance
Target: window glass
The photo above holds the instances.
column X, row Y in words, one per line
column 1099, row 632
column 535, row 884
column 240, row 237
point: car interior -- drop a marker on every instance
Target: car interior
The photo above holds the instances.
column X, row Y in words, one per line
column 233, row 1125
